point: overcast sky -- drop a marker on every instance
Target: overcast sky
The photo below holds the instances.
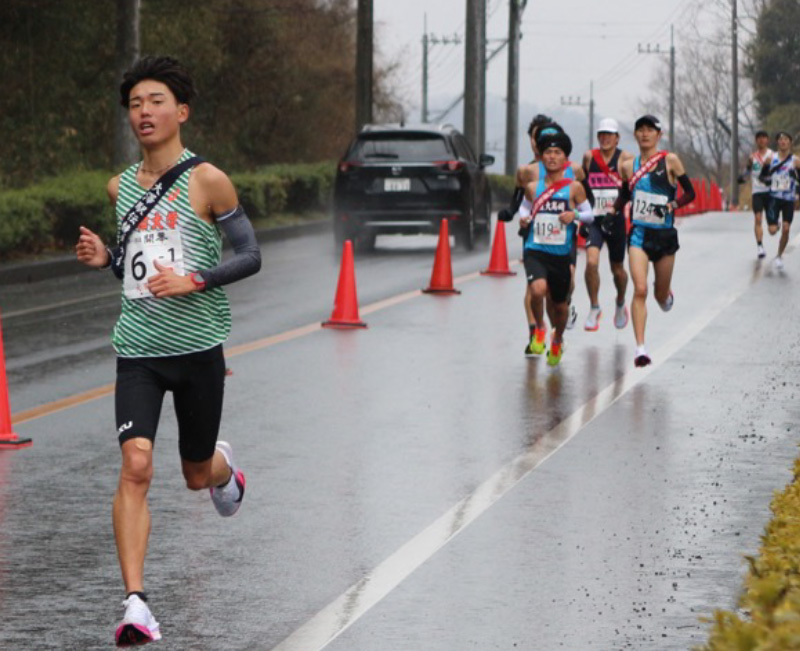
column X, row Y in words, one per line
column 566, row 44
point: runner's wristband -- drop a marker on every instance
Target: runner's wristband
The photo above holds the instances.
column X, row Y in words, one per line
column 110, row 258
column 585, row 213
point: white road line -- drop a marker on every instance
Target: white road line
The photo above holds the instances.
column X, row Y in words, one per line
column 324, row 627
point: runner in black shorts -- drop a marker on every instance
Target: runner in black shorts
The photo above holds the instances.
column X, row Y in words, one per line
column 175, row 315
column 759, row 189
column 781, row 170
column 601, row 167
column 650, row 183
column 548, row 214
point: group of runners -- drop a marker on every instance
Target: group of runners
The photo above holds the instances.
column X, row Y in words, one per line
column 553, row 195
column 773, row 176
column 172, row 208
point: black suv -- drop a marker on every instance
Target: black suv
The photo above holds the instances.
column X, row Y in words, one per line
column 403, row 179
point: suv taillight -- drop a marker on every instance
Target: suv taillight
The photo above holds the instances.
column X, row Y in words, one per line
column 449, row 165
column 345, row 166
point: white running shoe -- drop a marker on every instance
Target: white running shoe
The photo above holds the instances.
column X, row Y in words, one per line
column 227, row 499
column 593, row 320
column 761, row 252
column 621, row 316
column 778, row 262
column 573, row 316
column 138, row 626
column 666, row 306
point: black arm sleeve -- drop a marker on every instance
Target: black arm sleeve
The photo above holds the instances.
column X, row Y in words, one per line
column 688, row 191
column 246, row 259
column 507, row 214
column 623, row 197
column 516, row 200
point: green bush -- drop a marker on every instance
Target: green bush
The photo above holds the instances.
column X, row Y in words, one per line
column 46, row 216
column 260, row 194
column 308, row 186
column 502, row 188
column 24, row 225
column 771, row 599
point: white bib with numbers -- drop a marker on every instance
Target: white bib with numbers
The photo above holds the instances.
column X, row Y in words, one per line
column 643, row 205
column 548, row 229
column 144, row 248
column 781, row 183
column 603, row 200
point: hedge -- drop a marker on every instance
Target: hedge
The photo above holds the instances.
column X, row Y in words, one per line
column 769, row 616
column 46, row 216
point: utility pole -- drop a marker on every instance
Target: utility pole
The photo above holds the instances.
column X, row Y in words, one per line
column 475, row 75
column 672, row 87
column 126, row 148
column 515, row 9
column 364, row 37
column 460, row 98
column 657, row 50
column 425, row 70
column 429, row 40
column 734, row 195
column 576, row 101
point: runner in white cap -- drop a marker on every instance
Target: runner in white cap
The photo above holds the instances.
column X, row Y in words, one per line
column 601, row 166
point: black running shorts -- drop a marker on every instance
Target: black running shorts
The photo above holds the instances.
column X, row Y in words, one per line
column 552, row 268
column 617, row 241
column 655, row 242
column 780, row 209
column 197, row 383
column 760, row 201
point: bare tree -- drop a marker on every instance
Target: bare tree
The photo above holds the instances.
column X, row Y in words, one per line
column 127, row 51
column 703, row 98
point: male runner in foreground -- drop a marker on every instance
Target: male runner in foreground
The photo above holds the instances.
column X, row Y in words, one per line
column 174, row 318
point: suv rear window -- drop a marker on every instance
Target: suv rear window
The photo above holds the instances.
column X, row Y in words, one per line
column 405, row 147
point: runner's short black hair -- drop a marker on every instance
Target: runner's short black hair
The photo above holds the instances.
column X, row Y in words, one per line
column 167, row 70
column 545, row 140
column 784, row 133
column 762, row 134
column 538, row 121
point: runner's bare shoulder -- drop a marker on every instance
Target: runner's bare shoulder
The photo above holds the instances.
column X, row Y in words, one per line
column 112, row 189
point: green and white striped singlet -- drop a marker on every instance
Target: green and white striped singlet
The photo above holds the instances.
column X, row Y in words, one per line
column 157, row 327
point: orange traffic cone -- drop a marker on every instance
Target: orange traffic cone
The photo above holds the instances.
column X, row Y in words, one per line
column 345, row 306
column 7, row 437
column 498, row 263
column 442, row 276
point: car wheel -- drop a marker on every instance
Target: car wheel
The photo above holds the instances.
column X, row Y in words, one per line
column 465, row 236
column 485, row 231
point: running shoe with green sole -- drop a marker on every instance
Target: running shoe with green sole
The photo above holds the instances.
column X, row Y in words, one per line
column 555, row 352
column 536, row 345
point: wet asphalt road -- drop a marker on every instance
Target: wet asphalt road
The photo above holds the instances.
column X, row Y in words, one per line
column 420, row 484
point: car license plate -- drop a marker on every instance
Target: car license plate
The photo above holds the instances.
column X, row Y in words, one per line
column 396, row 185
